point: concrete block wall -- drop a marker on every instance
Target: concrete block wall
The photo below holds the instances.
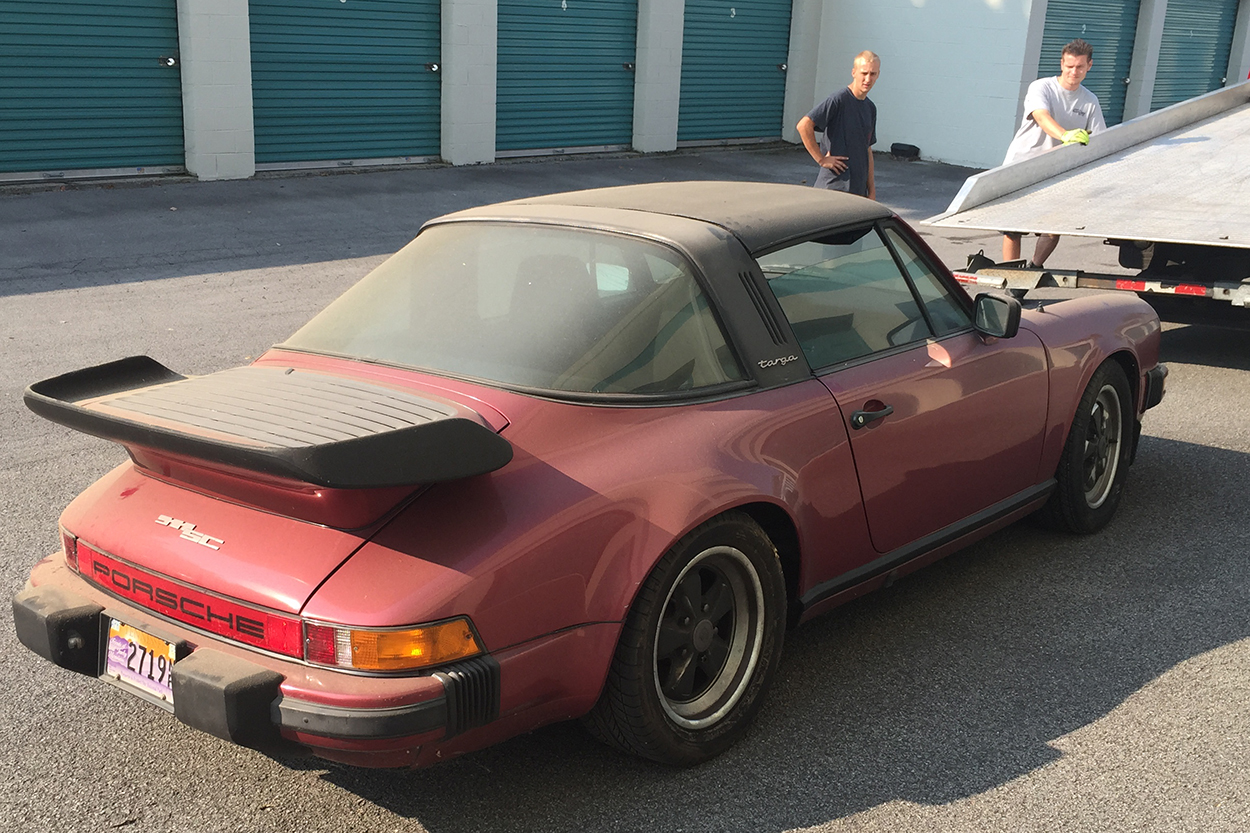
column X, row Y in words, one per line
column 470, row 63
column 802, row 65
column 657, row 79
column 1239, row 58
column 215, row 53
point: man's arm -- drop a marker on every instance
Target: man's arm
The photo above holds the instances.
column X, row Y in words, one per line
column 872, row 182
column 1048, row 124
column 807, row 132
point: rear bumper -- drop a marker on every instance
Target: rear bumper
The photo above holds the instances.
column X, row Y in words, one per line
column 261, row 701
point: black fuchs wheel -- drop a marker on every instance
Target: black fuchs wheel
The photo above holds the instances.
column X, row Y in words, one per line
column 698, row 648
column 1096, row 455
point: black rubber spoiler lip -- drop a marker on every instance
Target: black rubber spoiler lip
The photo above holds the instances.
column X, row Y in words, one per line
column 324, row 430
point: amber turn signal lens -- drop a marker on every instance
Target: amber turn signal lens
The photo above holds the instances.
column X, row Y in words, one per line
column 409, row 649
column 414, row 648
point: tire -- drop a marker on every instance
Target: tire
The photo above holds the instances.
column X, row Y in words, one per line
column 1096, row 455
column 699, row 647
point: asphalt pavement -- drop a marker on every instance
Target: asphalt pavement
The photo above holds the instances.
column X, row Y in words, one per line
column 1034, row 682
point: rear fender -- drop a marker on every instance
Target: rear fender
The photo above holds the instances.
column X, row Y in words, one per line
column 566, row 534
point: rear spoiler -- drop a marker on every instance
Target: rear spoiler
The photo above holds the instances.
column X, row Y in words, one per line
column 329, row 431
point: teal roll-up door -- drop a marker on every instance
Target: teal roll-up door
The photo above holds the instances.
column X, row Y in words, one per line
column 565, row 74
column 1110, row 26
column 83, row 86
column 335, row 80
column 1193, row 57
column 732, row 82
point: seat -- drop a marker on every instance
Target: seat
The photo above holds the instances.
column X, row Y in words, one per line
column 558, row 294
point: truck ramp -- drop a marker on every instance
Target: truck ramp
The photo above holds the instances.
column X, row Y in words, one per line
column 1178, row 175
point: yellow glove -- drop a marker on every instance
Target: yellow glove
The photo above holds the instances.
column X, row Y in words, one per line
column 1073, row 137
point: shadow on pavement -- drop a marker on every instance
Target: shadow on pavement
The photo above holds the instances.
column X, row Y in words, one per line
column 950, row 683
column 1211, row 346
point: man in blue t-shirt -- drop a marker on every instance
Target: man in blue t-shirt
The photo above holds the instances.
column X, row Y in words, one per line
column 847, row 122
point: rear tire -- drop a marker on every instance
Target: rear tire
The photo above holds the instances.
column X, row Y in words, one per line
column 698, row 648
column 1096, row 455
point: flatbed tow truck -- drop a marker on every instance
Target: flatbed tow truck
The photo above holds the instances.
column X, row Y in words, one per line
column 1170, row 189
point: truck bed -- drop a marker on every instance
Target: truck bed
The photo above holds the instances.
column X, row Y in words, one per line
column 1179, row 175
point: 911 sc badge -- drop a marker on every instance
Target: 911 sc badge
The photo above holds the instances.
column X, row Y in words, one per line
column 189, row 532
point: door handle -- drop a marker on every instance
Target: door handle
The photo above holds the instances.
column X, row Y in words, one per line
column 861, row 418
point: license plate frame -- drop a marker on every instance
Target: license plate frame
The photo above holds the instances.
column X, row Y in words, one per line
column 139, row 661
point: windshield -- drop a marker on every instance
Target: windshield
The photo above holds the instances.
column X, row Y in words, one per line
column 532, row 306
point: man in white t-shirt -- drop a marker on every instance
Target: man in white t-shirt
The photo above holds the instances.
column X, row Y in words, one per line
column 1057, row 111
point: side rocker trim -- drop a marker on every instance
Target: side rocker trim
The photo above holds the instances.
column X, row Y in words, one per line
column 936, row 540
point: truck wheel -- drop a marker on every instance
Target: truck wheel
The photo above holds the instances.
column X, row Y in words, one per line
column 1096, row 455
column 698, row 647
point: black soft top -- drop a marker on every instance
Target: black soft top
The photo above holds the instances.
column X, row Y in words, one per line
column 760, row 214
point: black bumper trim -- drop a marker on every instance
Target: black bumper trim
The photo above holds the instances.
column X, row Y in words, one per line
column 1155, row 377
column 227, row 697
column 351, row 724
column 60, row 627
column 473, row 693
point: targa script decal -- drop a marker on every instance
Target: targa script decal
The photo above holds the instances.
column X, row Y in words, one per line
column 763, row 363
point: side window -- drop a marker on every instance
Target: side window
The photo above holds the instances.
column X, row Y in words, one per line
column 844, row 296
column 945, row 312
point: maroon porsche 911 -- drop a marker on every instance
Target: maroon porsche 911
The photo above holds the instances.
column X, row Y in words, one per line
column 586, row 455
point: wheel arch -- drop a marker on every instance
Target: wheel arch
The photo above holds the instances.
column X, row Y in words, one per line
column 781, row 529
column 776, row 522
column 1132, row 369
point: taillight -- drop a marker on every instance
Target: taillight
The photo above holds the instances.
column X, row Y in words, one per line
column 70, row 544
column 361, row 649
column 390, row 649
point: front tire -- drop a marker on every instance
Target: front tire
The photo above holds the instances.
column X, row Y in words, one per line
column 1096, row 455
column 698, row 648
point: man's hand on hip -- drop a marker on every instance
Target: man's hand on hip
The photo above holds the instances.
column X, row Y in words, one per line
column 837, row 164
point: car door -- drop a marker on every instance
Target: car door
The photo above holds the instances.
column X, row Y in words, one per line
column 944, row 423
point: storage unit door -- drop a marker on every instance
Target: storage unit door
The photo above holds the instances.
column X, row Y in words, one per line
column 336, row 81
column 565, row 75
column 1110, row 26
column 733, row 81
column 1193, row 58
column 89, row 86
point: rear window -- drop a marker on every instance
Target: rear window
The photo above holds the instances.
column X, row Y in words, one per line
column 533, row 306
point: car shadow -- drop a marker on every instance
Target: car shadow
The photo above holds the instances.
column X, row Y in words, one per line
column 1226, row 346
column 953, row 681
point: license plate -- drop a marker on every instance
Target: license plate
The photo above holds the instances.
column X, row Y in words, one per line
column 140, row 660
